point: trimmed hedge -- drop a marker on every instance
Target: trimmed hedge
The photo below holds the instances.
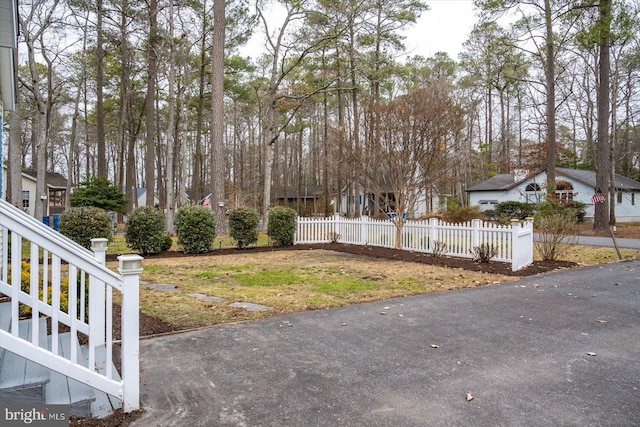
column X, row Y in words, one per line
column 282, row 225
column 145, row 230
column 196, row 229
column 83, row 223
column 243, row 226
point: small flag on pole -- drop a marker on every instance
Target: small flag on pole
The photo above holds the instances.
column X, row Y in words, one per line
column 206, row 200
column 598, row 197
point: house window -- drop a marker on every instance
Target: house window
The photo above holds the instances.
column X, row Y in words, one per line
column 619, row 197
column 25, row 199
column 564, row 191
column 531, row 193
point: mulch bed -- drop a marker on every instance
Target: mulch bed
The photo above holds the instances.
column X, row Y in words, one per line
column 492, row 267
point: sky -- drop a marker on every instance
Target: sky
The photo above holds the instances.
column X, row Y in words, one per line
column 444, row 27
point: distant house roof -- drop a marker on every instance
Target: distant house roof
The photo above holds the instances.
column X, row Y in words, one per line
column 589, row 178
column 309, row 192
column 54, row 179
column 507, row 181
column 498, row 182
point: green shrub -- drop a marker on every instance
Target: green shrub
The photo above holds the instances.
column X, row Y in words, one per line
column 99, row 192
column 458, row 214
column 196, row 229
column 282, row 226
column 509, row 210
column 571, row 208
column 145, row 230
column 243, row 226
column 81, row 224
column 167, row 242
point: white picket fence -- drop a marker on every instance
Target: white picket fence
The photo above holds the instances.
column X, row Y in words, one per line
column 513, row 242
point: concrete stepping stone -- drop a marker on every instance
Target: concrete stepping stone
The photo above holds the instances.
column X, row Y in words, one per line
column 165, row 287
column 250, row 306
column 206, row 298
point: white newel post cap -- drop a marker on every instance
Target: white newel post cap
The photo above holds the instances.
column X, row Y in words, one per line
column 130, row 264
column 99, row 244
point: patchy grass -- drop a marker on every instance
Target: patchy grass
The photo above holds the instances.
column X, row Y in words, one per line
column 287, row 281
column 589, row 255
column 294, row 281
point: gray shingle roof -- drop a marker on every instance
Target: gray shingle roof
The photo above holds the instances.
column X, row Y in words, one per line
column 507, row 181
column 589, row 178
column 498, row 182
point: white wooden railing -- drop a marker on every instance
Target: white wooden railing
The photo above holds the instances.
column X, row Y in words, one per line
column 513, row 243
column 70, row 285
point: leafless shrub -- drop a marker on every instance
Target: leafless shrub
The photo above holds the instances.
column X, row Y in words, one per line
column 484, row 252
column 439, row 248
column 554, row 234
column 333, row 236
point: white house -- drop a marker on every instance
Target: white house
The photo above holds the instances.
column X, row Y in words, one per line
column 56, row 191
column 8, row 49
column 426, row 201
column 571, row 184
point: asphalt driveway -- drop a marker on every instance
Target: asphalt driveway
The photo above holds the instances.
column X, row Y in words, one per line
column 552, row 350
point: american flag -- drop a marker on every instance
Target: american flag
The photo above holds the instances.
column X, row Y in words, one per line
column 598, row 197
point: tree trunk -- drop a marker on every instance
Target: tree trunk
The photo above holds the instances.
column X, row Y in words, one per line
column 152, row 69
column 601, row 216
column 101, row 146
column 170, row 206
column 550, row 75
column 14, row 167
column 217, row 106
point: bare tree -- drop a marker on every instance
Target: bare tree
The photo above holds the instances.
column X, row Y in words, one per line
column 33, row 25
column 411, row 152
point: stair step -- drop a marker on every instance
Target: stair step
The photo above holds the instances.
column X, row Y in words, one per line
column 24, row 382
column 66, row 391
column 21, row 379
column 104, row 405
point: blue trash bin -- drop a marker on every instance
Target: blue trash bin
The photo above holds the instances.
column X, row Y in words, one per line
column 56, row 219
column 46, row 220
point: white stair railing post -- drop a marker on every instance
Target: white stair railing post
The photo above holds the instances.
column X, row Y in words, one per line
column 97, row 309
column 130, row 266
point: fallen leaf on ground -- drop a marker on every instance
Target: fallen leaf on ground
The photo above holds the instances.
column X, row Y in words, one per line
column 435, row 346
column 591, row 353
column 601, row 321
column 469, row 397
column 343, row 324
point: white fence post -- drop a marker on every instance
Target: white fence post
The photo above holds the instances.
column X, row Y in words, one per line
column 515, row 244
column 130, row 266
column 364, row 229
column 97, row 291
column 433, row 234
column 475, row 233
